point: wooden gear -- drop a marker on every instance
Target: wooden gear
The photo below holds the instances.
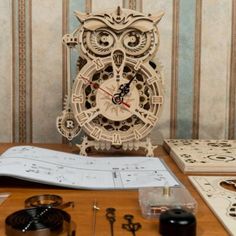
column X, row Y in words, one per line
column 117, row 96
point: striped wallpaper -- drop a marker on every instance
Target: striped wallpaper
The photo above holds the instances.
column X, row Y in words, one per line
column 198, row 52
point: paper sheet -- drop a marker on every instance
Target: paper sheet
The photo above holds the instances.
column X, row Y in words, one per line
column 73, row 171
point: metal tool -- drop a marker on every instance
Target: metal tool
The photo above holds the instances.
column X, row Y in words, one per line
column 131, row 227
column 95, row 209
column 110, row 215
column 47, row 200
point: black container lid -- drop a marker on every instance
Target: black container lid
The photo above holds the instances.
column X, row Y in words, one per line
column 177, row 222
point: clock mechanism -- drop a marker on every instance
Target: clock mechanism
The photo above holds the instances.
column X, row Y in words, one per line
column 117, row 95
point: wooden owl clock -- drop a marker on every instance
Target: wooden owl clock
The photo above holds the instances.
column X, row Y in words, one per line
column 117, row 95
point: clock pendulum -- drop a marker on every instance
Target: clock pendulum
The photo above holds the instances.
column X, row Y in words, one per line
column 117, row 95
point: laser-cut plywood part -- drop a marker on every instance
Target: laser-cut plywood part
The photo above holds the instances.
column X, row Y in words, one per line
column 213, row 156
column 219, row 192
column 117, row 96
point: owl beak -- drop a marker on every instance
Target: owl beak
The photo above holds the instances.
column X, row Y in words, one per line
column 118, row 61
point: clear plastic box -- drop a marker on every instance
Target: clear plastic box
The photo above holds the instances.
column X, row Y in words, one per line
column 155, row 200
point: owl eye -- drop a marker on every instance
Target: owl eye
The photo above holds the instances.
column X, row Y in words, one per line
column 136, row 42
column 132, row 39
column 99, row 42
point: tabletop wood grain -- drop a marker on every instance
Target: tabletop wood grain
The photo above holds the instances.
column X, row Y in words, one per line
column 124, row 201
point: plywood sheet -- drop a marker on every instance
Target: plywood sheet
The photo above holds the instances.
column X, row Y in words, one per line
column 192, row 155
column 219, row 194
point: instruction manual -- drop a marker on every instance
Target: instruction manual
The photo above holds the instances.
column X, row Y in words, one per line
column 74, row 171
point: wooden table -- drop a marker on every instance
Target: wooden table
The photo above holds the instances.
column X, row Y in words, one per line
column 125, row 202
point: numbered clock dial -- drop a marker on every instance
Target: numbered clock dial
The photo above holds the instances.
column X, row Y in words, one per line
column 115, row 108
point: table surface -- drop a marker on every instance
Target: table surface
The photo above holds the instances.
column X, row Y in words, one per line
column 124, row 201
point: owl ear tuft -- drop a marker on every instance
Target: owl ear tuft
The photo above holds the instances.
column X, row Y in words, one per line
column 81, row 16
column 156, row 17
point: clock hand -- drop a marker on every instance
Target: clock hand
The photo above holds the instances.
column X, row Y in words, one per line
column 134, row 77
column 124, row 89
column 96, row 86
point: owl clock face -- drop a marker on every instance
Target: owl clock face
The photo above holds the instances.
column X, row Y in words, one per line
column 107, row 114
column 117, row 96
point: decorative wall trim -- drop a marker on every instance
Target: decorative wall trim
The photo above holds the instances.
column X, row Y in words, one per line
column 65, row 30
column 13, row 72
column 232, row 82
column 140, row 5
column 30, row 75
column 132, row 4
column 197, row 69
column 174, row 69
column 22, row 71
column 88, row 6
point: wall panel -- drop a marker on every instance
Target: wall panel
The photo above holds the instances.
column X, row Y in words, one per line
column 164, row 55
column 197, row 50
column 98, row 5
column 46, row 66
column 232, row 83
column 215, row 68
column 73, row 23
column 6, row 131
column 185, row 68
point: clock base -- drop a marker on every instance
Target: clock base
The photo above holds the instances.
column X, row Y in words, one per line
column 87, row 144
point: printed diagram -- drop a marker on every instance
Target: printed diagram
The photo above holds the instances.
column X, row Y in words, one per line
column 203, row 155
column 70, row 170
column 219, row 192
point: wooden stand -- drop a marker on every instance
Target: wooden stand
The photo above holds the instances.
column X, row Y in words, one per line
column 107, row 146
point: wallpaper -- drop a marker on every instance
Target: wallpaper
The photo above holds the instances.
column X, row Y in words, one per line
column 197, row 50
